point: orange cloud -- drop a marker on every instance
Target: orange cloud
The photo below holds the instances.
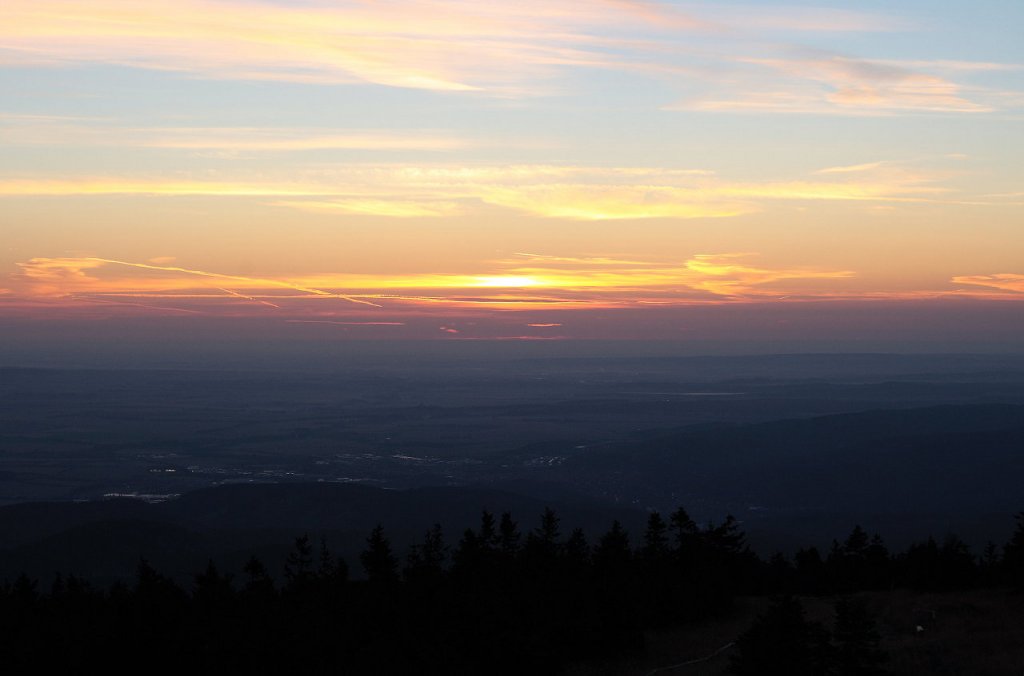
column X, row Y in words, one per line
column 62, row 276
column 393, row 208
column 1005, row 281
column 520, row 283
column 324, row 321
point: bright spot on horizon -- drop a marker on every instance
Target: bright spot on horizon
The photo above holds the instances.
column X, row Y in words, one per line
column 508, row 281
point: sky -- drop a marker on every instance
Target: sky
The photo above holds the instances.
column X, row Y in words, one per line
column 482, row 170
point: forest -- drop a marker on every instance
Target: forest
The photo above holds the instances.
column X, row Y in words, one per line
column 504, row 598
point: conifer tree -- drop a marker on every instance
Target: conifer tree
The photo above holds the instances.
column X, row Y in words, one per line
column 577, row 551
column 655, row 538
column 426, row 561
column 298, row 567
column 508, row 535
column 1013, row 555
column 377, row 559
column 257, row 579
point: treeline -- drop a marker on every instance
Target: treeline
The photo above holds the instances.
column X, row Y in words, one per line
column 500, row 600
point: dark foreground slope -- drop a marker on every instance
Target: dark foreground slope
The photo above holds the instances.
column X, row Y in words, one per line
column 502, row 600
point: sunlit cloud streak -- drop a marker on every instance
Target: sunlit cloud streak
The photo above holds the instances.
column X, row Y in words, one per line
column 444, row 45
column 1005, row 281
column 514, row 283
column 497, row 48
column 815, row 82
column 30, row 130
column 124, row 303
column 802, row 18
column 50, row 275
column 325, row 321
column 550, row 191
column 502, row 299
column 392, row 208
column 250, row 298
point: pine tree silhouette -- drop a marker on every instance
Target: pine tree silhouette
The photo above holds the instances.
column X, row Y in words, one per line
column 378, row 561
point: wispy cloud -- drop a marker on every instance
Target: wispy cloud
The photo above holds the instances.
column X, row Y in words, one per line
column 71, row 276
column 66, row 132
column 730, row 275
column 1007, row 281
column 806, row 81
column 550, row 191
column 327, row 321
column 393, row 208
column 503, row 48
column 515, row 284
column 761, row 18
column 446, row 45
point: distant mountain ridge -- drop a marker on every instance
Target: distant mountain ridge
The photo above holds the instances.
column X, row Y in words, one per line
column 906, row 473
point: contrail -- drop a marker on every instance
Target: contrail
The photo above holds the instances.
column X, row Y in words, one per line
column 324, row 321
column 87, row 299
column 243, row 296
column 217, row 275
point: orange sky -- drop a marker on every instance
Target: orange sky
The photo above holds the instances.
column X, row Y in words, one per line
column 320, row 164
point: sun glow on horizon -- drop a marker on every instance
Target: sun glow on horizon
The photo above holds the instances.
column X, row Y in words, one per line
column 517, row 281
column 329, row 166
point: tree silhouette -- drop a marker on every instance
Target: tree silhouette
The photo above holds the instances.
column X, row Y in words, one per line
column 508, row 535
column 298, row 567
column 257, row 581
column 425, row 561
column 213, row 590
column 378, row 561
column 655, row 538
column 1013, row 555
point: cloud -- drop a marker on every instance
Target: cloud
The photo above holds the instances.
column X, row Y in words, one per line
column 731, row 275
column 394, row 208
column 325, row 321
column 58, row 131
column 549, row 191
column 761, row 19
column 498, row 48
column 1006, row 281
column 853, row 168
column 515, row 284
column 825, row 83
column 444, row 45
column 69, row 276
